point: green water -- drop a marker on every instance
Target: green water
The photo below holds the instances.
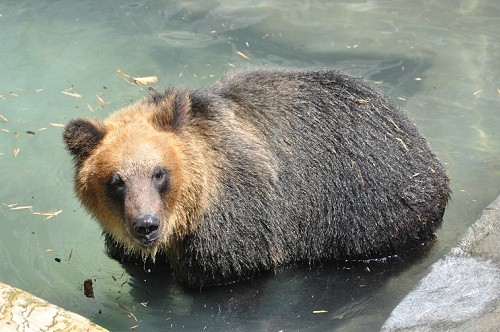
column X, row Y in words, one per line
column 440, row 60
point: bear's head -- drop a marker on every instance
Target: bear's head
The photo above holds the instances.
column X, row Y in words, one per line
column 140, row 173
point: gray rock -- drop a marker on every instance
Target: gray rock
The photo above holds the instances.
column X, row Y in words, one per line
column 462, row 291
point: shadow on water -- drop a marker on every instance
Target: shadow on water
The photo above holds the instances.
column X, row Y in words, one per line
column 294, row 297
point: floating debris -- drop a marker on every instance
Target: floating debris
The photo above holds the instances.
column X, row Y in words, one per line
column 48, row 214
column 145, row 80
column 19, row 207
column 121, row 74
column 72, row 94
column 101, row 101
column 243, row 55
column 88, row 288
column 320, row 311
column 137, row 80
column 129, row 313
column 10, row 205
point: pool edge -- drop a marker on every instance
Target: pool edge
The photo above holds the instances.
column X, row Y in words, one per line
column 23, row 311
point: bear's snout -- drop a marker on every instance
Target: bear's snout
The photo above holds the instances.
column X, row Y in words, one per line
column 146, row 228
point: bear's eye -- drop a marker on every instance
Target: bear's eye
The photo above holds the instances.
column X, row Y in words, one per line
column 116, row 185
column 161, row 179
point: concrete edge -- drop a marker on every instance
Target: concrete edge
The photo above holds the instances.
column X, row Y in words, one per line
column 22, row 311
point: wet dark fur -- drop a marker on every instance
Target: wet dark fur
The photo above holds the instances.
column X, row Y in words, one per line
column 332, row 169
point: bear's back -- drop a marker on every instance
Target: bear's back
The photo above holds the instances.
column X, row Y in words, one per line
column 316, row 165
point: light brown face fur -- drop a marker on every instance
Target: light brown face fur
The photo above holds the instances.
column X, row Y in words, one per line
column 133, row 147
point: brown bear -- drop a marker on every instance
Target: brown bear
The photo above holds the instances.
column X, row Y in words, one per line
column 263, row 168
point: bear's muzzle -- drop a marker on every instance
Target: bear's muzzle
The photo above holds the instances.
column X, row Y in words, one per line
column 145, row 229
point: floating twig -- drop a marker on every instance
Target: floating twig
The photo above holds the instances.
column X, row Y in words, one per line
column 243, row 55
column 72, row 94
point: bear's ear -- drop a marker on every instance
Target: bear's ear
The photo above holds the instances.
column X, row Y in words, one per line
column 82, row 136
column 173, row 111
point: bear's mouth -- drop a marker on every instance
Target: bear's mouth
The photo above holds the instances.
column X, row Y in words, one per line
column 145, row 242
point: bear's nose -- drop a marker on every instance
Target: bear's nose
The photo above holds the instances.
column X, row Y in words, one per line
column 147, row 226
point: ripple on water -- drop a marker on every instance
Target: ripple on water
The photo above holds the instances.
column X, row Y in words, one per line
column 187, row 39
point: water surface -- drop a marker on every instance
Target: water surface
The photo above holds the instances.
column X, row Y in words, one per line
column 439, row 60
